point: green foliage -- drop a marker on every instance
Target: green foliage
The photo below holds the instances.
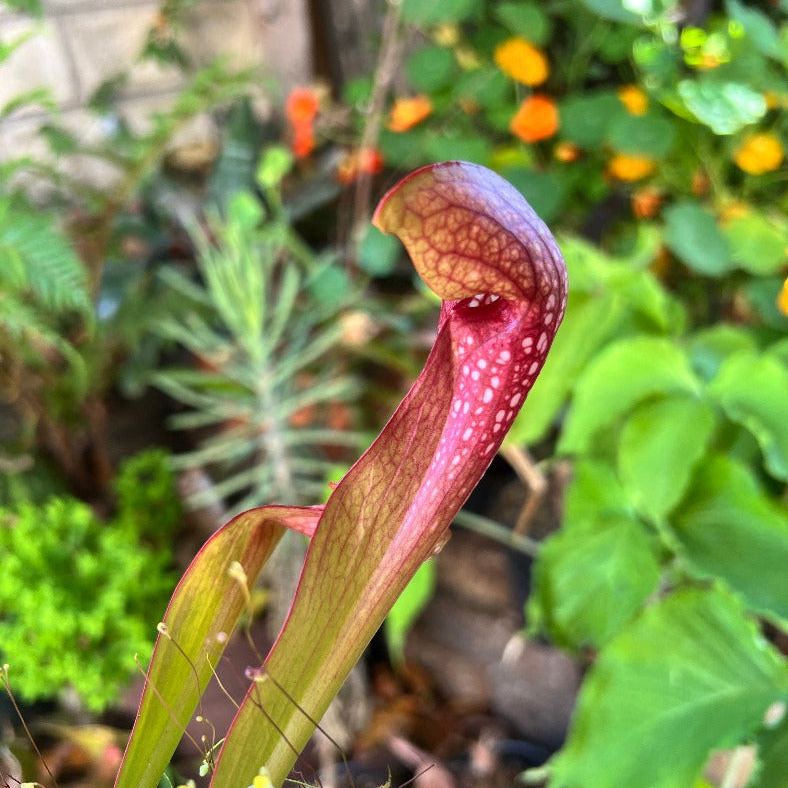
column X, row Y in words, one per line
column 147, row 498
column 616, row 558
column 72, row 313
column 419, row 13
column 727, row 528
column 669, row 490
column 77, row 595
column 378, row 253
column 43, row 291
column 25, row 6
column 693, row 235
column 756, row 243
column 691, row 674
column 610, row 297
column 39, row 263
column 431, row 68
column 262, row 325
column 725, row 107
column 623, row 375
column 751, row 388
column 661, row 443
column 525, row 19
column 406, row 609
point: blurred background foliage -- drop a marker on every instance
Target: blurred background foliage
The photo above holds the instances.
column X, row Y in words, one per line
column 244, row 315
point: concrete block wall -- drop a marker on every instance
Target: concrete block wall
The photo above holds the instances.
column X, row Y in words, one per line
column 81, row 43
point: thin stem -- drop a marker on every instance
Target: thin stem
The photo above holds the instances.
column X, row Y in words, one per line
column 385, row 71
column 492, row 530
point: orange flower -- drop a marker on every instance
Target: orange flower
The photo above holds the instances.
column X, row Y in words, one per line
column 537, row 119
column 782, row 298
column 303, row 140
column 409, row 112
column 630, row 168
column 646, row 202
column 759, row 153
column 522, row 61
column 634, row 99
column 301, row 109
column 566, row 152
column 366, row 160
column 301, row 106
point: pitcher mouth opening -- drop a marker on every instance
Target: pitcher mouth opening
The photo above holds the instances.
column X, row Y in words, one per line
column 481, row 306
column 481, row 299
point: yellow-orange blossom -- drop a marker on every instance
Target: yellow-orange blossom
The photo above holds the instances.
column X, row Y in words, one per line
column 409, row 112
column 759, row 153
column 522, row 61
column 536, row 119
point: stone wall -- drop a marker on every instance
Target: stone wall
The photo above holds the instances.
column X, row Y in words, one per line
column 81, row 43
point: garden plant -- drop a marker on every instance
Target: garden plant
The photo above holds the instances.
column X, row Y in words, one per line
column 233, row 303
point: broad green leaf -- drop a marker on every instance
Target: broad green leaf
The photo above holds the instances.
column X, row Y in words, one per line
column 729, row 529
column 586, row 118
column 488, row 86
column 647, row 135
column 405, row 149
column 620, row 377
column 725, row 107
column 593, row 271
column 661, row 442
column 779, row 350
column 772, row 756
column 418, row 12
column 546, row 191
column 615, row 49
column 752, row 390
column 330, row 286
column 200, row 619
column 762, row 296
column 691, row 674
column 463, row 147
column 709, row 347
column 759, row 28
column 756, row 244
column 406, row 609
column 595, row 491
column 589, row 323
column 525, row 19
column 692, row 234
column 590, row 580
column 431, row 68
column 275, row 163
column 615, row 10
column 378, row 253
column 658, row 62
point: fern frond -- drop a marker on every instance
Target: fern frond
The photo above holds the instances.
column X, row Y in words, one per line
column 35, row 257
column 25, row 325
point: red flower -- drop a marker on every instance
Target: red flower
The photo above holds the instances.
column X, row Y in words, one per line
column 301, row 109
column 301, row 106
column 368, row 161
